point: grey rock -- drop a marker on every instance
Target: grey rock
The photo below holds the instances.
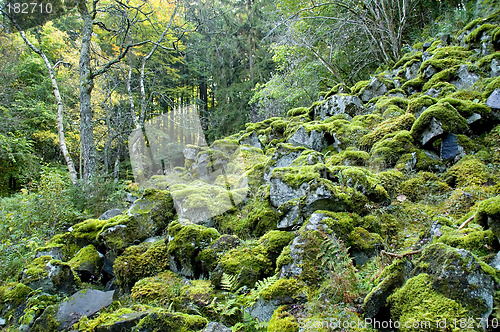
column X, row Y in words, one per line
column 280, row 192
column 291, row 218
column 83, row 303
column 449, row 147
column 494, row 100
column 411, row 72
column 429, row 72
column 54, row 252
column 263, row 310
column 130, row 198
column 446, row 39
column 216, row 327
column 495, row 263
column 464, row 78
column 474, row 118
column 427, row 45
column 433, row 92
column 299, row 244
column 2, row 322
column 313, row 140
column 426, row 56
column 252, row 140
column 374, row 89
column 433, row 131
column 191, row 152
column 339, row 104
column 458, row 275
column 110, row 214
column 59, row 279
column 495, row 68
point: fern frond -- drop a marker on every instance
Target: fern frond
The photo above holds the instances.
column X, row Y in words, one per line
column 228, row 282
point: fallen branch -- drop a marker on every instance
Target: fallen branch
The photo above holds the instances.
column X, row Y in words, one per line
column 467, row 221
column 401, row 255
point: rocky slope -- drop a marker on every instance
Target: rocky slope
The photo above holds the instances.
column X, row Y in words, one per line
column 379, row 203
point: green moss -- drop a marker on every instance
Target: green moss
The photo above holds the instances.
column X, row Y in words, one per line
column 449, row 117
column 140, row 261
column 274, row 241
column 488, row 209
column 485, row 62
column 294, row 176
column 282, row 321
column 490, row 87
column 389, row 126
column 383, row 103
column 472, row 239
column 164, row 288
column 284, row 258
column 443, row 76
column 359, row 86
column 172, row 322
column 363, row 240
column 283, row 288
column 349, row 157
column 387, row 151
column 13, row 293
column 390, row 180
column 468, row 171
column 466, row 108
column 417, row 302
column 198, row 292
column 476, row 34
column 37, row 270
column 415, row 84
column 408, row 59
column 362, row 180
column 339, row 88
column 297, row 111
column 88, row 258
column 422, row 185
column 248, row 262
column 340, row 223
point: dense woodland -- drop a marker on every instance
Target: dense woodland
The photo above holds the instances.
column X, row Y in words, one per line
column 314, row 97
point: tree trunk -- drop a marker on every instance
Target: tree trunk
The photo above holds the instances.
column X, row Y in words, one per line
column 60, row 108
column 86, row 86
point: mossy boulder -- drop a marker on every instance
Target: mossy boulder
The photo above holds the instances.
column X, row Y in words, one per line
column 163, row 289
column 437, row 120
column 389, row 126
column 470, row 170
column 170, row 321
column 422, row 185
column 153, row 211
column 248, row 263
column 417, row 301
column 386, row 152
column 274, row 241
column 364, row 245
column 52, row 276
column 283, row 321
column 458, row 275
column 339, row 104
column 141, row 261
column 88, row 263
column 378, row 86
column 391, row 278
column 488, row 215
column 12, row 295
column 185, row 245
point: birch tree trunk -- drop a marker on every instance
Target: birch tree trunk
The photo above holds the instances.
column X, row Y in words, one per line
column 60, row 107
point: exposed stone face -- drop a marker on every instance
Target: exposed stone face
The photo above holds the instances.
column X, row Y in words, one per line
column 432, row 132
column 376, row 88
column 252, row 140
column 412, row 71
column 464, row 78
column 110, row 214
column 312, row 140
column 339, row 104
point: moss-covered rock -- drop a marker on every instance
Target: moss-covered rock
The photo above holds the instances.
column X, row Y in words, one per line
column 468, row 171
column 167, row 321
column 87, row 263
column 141, row 261
column 283, row 321
column 52, row 276
column 418, row 302
column 422, row 185
column 389, row 126
column 13, row 294
column 478, row 241
column 248, row 263
column 163, row 289
column 386, row 152
column 185, row 245
column 273, row 243
column 436, row 120
column 488, row 215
